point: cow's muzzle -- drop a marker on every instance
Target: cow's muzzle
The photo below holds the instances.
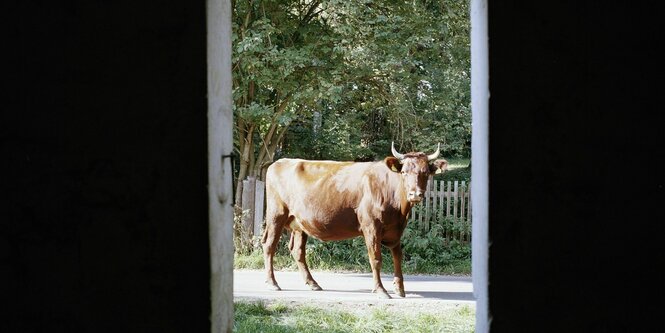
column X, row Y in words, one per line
column 415, row 196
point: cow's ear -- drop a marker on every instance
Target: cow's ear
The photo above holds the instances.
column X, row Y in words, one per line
column 393, row 164
column 438, row 166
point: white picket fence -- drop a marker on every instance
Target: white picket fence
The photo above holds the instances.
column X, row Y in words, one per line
column 446, row 203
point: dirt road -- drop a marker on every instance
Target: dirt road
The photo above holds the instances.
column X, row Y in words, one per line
column 423, row 292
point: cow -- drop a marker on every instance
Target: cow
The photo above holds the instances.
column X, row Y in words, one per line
column 332, row 200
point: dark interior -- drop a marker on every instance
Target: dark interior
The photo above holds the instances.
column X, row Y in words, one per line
column 104, row 222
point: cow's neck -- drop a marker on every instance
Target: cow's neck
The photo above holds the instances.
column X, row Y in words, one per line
column 395, row 193
column 405, row 205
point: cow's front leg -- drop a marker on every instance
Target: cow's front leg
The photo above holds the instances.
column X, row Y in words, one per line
column 275, row 219
column 373, row 242
column 398, row 282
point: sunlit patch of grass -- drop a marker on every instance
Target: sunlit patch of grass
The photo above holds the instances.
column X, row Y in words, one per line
column 458, row 169
column 259, row 317
column 457, row 163
column 254, row 260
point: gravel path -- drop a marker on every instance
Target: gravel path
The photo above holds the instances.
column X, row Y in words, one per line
column 352, row 291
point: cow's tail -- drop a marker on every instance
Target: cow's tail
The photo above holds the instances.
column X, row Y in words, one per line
column 265, row 236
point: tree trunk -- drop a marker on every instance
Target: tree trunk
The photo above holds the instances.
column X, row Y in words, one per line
column 253, row 162
column 246, row 152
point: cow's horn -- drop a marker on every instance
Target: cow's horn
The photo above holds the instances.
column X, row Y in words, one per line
column 395, row 153
column 436, row 153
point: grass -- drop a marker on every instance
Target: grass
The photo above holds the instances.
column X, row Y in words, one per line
column 458, row 169
column 457, row 163
column 284, row 262
column 280, row 318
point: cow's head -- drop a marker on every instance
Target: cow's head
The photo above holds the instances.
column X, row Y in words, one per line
column 415, row 169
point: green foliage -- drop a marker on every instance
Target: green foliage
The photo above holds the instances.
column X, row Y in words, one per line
column 349, row 254
column 280, row 318
column 406, row 72
column 242, row 244
column 279, row 52
column 426, row 251
column 342, row 79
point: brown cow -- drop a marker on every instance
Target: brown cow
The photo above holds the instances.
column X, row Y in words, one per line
column 339, row 200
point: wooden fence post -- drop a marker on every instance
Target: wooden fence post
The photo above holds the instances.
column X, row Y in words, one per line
column 441, row 195
column 455, row 203
column 462, row 220
column 248, row 195
column 468, row 214
column 428, row 193
column 259, row 207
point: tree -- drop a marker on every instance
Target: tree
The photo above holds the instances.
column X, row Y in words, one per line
column 406, row 69
column 284, row 62
column 341, row 79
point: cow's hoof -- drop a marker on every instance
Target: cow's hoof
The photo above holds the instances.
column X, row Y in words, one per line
column 273, row 287
column 315, row 287
column 381, row 293
column 399, row 292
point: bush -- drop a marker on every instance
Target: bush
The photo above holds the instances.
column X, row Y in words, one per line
column 241, row 243
column 427, row 251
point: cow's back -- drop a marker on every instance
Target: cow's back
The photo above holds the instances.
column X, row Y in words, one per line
column 321, row 197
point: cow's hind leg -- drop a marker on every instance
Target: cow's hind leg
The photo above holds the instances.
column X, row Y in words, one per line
column 297, row 247
column 276, row 218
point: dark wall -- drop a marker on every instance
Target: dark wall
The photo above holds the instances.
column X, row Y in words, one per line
column 103, row 142
column 576, row 167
